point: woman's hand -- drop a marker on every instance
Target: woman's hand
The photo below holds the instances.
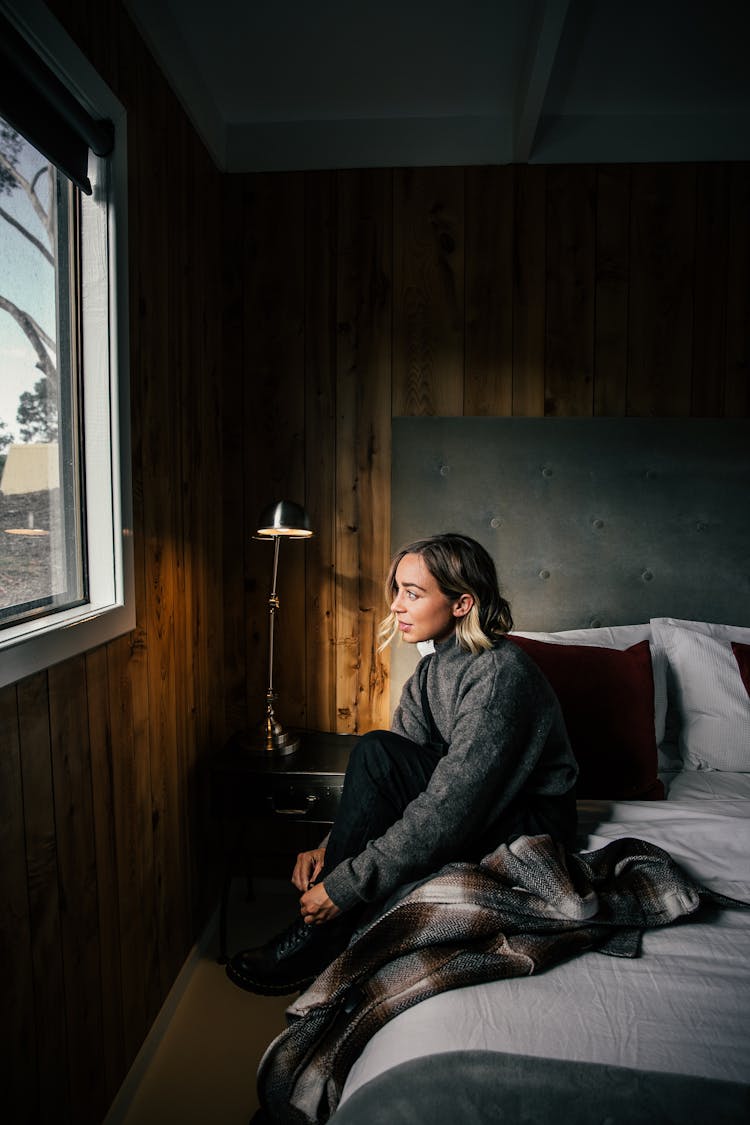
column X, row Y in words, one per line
column 315, row 905
column 307, row 868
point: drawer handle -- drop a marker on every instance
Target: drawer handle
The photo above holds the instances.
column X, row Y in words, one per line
column 310, row 800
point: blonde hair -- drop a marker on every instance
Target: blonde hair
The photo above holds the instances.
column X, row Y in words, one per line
column 459, row 565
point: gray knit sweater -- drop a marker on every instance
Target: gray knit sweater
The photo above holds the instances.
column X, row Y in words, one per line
column 505, row 735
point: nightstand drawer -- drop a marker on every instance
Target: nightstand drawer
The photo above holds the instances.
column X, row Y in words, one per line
column 303, row 799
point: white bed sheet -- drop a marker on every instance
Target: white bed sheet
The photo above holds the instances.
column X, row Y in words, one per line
column 683, row 1007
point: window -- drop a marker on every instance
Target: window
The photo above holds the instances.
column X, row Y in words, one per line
column 42, row 560
column 65, row 548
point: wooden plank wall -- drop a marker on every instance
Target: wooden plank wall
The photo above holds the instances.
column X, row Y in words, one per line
column 102, row 758
column 529, row 291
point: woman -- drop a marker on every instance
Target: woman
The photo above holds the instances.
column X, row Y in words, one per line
column 477, row 755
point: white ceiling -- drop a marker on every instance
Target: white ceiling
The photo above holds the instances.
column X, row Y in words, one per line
column 310, row 84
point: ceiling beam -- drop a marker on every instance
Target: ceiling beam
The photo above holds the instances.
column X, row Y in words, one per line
column 542, row 49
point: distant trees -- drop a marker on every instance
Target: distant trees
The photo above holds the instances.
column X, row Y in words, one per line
column 37, row 409
column 6, row 439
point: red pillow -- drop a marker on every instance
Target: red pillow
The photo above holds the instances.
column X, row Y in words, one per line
column 607, row 701
column 742, row 656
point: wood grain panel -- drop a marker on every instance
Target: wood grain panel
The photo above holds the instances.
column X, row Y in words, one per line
column 102, row 790
column 275, row 430
column 570, row 292
column 53, row 1091
column 428, row 313
column 488, row 372
column 236, row 515
column 710, row 298
column 202, row 523
column 661, row 290
column 190, row 679
column 79, row 908
column 373, row 451
column 139, row 951
column 320, row 445
column 612, row 286
column 529, row 298
column 363, row 390
column 19, row 1049
column 737, row 379
column 355, row 226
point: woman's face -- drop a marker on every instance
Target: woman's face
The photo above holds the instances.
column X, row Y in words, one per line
column 423, row 611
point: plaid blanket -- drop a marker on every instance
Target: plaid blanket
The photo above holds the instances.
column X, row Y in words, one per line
column 524, row 908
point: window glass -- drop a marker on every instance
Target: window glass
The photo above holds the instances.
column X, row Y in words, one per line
column 41, row 530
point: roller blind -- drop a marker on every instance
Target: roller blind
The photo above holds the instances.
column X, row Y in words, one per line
column 40, row 107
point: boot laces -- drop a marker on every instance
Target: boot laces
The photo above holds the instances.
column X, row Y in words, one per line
column 292, row 937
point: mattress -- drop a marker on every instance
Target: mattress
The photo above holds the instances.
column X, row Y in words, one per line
column 681, row 1009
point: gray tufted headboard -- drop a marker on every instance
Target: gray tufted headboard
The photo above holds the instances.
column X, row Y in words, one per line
column 591, row 521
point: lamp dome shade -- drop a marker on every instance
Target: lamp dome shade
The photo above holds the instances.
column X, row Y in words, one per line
column 285, row 518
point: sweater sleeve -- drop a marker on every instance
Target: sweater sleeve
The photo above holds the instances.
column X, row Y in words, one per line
column 497, row 737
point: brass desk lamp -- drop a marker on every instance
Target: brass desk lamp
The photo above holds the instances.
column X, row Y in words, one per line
column 284, row 519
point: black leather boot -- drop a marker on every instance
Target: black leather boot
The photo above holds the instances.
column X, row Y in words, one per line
column 290, row 961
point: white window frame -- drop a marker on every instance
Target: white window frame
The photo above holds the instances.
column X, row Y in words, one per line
column 109, row 610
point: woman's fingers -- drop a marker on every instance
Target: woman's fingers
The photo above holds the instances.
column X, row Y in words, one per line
column 302, row 869
column 307, row 868
column 318, row 866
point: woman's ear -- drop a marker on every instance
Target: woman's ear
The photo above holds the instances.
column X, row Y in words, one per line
column 462, row 606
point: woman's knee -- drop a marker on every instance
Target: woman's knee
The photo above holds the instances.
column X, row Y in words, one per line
column 380, row 754
column 370, row 751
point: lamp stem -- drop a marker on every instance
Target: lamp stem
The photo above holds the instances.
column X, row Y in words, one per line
column 274, row 738
column 273, row 605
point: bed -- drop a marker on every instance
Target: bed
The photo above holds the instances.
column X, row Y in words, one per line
column 594, row 521
column 664, row 1037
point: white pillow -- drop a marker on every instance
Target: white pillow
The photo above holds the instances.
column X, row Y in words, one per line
column 620, row 637
column 707, row 692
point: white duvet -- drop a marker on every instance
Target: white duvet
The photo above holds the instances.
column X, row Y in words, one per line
column 682, row 1007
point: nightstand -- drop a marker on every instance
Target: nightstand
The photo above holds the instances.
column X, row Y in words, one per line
column 304, row 786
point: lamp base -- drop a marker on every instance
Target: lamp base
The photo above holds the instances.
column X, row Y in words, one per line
column 270, row 739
